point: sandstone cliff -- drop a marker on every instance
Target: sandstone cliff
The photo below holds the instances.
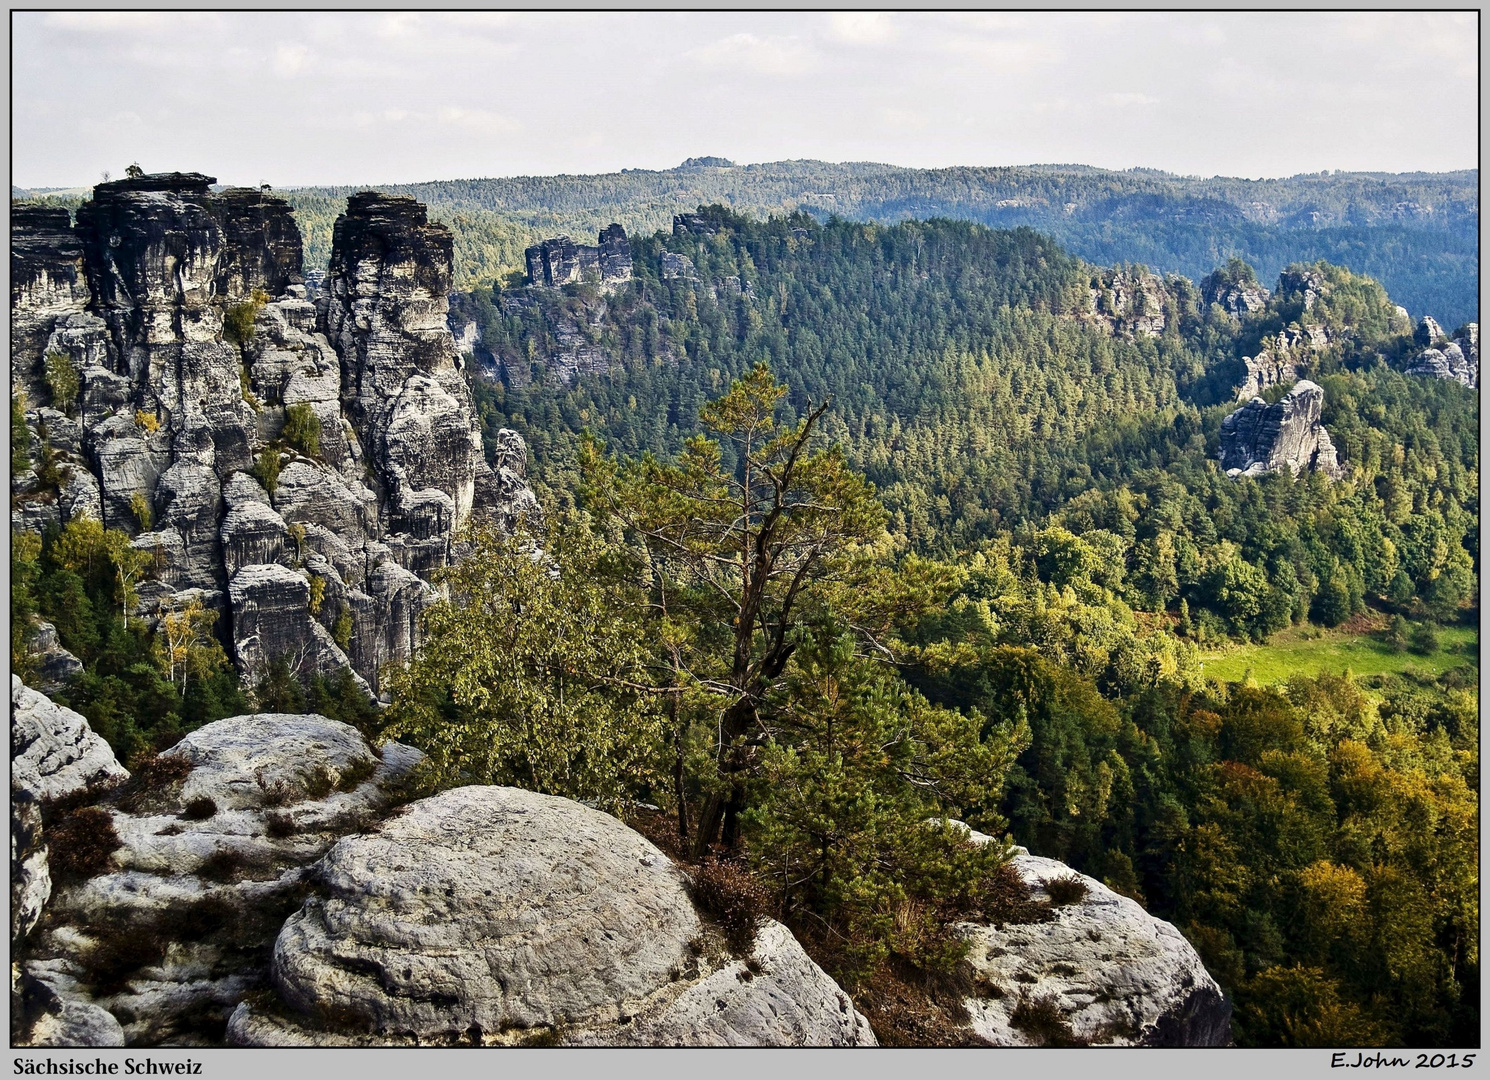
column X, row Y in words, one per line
column 1260, row 438
column 1441, row 358
column 559, row 261
column 182, row 314
column 1131, row 302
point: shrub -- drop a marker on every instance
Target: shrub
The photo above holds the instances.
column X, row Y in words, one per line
column 1066, row 890
column 1042, row 1021
column 20, row 435
column 199, row 809
column 319, row 782
column 238, row 321
column 148, row 421
column 302, row 429
column 1425, row 639
column 266, row 470
column 150, row 781
column 341, row 631
column 317, row 592
column 80, row 843
column 279, row 825
column 246, row 386
column 1396, row 634
column 139, row 506
column 355, row 773
column 62, row 379
column 733, row 896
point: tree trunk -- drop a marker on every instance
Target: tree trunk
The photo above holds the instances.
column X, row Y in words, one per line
column 678, row 791
column 708, row 824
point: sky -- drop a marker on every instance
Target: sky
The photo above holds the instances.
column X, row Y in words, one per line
column 385, row 97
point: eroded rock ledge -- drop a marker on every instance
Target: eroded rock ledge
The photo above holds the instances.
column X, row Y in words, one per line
column 183, row 313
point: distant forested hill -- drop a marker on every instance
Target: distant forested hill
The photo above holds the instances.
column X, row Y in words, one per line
column 1416, row 233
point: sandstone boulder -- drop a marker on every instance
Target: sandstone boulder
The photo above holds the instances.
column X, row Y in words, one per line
column 54, row 754
column 485, row 915
column 1112, row 973
column 212, row 845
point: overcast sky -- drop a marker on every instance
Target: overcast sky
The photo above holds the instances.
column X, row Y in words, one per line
column 348, row 98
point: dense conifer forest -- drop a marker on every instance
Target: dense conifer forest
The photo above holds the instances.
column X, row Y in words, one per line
column 1059, row 481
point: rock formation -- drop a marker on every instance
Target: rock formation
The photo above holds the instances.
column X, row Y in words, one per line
column 1236, row 297
column 488, row 915
column 1260, row 438
column 677, row 266
column 695, row 224
column 209, row 849
column 1440, row 358
column 182, row 313
column 1129, row 301
column 482, row 914
column 559, row 261
column 1114, row 974
column 1283, row 358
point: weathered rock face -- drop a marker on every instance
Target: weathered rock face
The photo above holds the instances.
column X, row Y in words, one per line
column 1235, row 297
column 1117, row 975
column 488, row 914
column 1283, row 358
column 559, row 261
column 1302, row 286
column 1260, row 438
column 187, row 376
column 1114, row 974
column 1129, row 301
column 212, row 846
column 1458, row 360
column 47, row 287
column 55, row 666
column 403, row 391
column 54, row 754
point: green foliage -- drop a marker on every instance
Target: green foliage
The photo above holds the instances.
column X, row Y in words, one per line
column 858, row 766
column 139, row 506
column 266, row 469
column 302, row 429
column 975, row 407
column 741, row 553
column 20, row 435
column 63, row 380
column 341, row 630
column 1318, row 848
column 238, row 320
column 137, row 687
column 532, row 673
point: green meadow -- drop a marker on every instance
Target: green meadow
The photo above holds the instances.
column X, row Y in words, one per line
column 1310, row 650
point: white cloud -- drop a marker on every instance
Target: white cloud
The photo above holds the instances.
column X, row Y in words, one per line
column 379, row 96
column 753, row 54
column 862, row 27
column 478, row 120
column 289, row 60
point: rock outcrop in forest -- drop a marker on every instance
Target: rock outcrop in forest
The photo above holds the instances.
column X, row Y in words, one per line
column 560, row 261
column 299, row 468
column 1261, row 438
column 1441, row 358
